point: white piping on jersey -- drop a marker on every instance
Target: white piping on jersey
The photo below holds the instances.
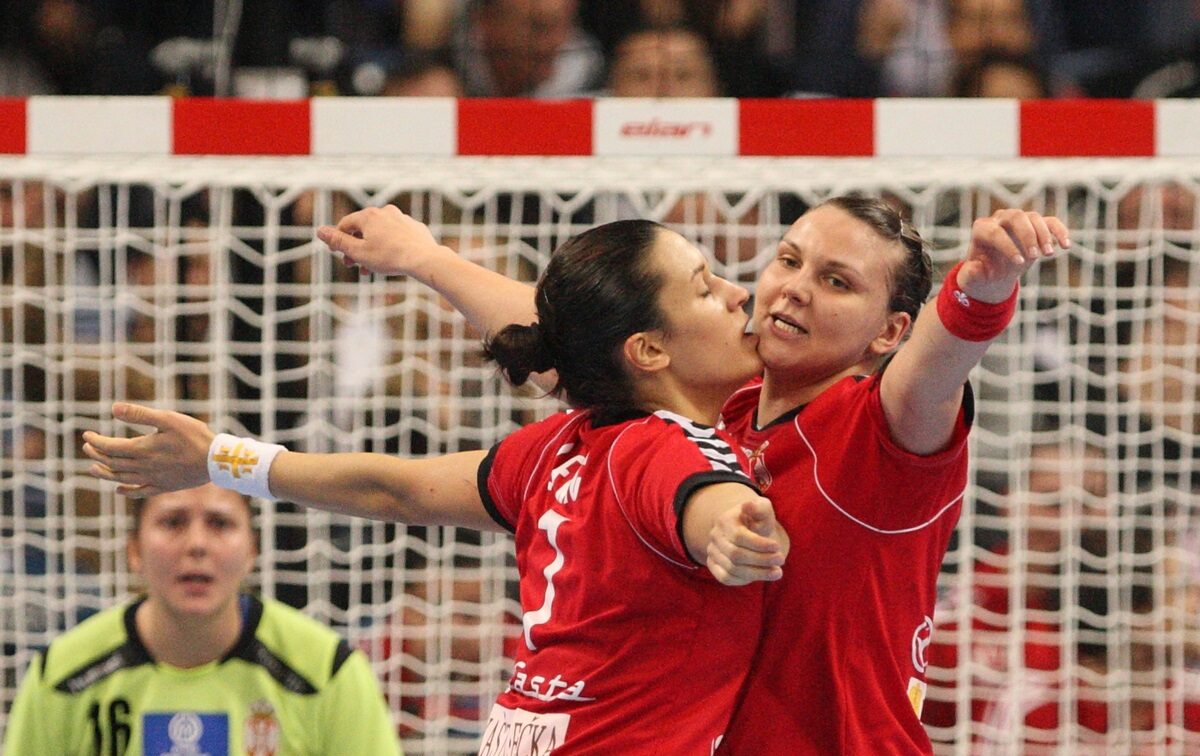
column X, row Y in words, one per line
column 707, row 441
column 838, row 507
column 613, row 484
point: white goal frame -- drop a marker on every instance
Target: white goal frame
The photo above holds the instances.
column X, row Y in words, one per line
column 1100, row 373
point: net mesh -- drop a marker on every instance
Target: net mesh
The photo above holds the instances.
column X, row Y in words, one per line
column 1071, row 592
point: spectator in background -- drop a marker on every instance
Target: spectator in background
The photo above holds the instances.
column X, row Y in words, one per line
column 1001, row 74
column 463, row 622
column 814, row 46
column 672, row 61
column 1183, row 595
column 1055, row 524
column 421, row 75
column 1162, row 380
column 412, row 73
column 1098, row 47
column 977, row 26
column 906, row 41
column 195, row 662
column 527, row 48
column 427, row 24
column 732, row 31
column 1175, row 73
column 80, row 47
column 20, row 73
column 920, row 47
column 378, row 25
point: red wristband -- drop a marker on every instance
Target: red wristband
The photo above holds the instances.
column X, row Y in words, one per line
column 969, row 319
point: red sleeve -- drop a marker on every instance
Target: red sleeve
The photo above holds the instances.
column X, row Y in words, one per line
column 866, row 474
column 656, row 465
column 508, row 470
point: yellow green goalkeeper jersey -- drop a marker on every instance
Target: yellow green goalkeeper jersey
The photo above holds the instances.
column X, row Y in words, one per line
column 289, row 686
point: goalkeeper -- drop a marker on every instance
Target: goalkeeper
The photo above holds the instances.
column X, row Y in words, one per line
column 195, row 665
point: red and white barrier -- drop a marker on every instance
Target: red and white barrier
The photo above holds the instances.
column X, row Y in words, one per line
column 605, row 126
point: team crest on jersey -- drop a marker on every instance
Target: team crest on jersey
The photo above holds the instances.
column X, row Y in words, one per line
column 261, row 736
column 917, row 687
column 921, row 639
column 758, row 466
column 185, row 732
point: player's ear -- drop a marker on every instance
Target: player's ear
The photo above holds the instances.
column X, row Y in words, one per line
column 133, row 553
column 645, row 352
column 892, row 333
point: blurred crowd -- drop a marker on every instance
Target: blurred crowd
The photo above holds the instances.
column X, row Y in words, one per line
column 568, row 48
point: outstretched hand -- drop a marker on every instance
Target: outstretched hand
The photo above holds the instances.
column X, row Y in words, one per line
column 382, row 240
column 1003, row 247
column 173, row 458
column 747, row 544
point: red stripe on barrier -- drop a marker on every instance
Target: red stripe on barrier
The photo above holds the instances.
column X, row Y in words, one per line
column 1087, row 128
column 806, row 127
column 524, row 127
column 13, row 135
column 205, row 126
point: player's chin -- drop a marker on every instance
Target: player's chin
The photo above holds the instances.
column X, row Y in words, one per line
column 773, row 352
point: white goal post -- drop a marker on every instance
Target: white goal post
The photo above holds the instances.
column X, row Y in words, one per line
column 1070, row 611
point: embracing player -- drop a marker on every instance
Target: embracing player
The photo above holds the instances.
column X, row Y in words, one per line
column 865, row 462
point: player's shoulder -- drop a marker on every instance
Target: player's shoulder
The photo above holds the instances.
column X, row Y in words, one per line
column 847, row 394
column 283, row 622
column 93, row 650
column 302, row 654
column 670, row 424
column 665, row 435
column 852, row 388
column 556, row 426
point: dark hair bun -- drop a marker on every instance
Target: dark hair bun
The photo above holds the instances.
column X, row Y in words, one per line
column 520, row 350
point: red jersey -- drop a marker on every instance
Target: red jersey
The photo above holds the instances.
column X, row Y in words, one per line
column 629, row 646
column 841, row 666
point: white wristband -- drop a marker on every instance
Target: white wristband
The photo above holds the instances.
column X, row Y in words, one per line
column 242, row 464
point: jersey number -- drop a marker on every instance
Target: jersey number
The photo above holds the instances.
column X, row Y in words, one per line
column 117, row 724
column 549, row 522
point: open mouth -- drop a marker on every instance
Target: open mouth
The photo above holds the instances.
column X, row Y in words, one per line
column 787, row 326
